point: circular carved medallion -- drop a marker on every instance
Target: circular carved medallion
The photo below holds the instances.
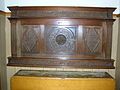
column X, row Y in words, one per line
column 61, row 39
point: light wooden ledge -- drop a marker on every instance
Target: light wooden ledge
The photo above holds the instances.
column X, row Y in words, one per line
column 116, row 15
column 2, row 12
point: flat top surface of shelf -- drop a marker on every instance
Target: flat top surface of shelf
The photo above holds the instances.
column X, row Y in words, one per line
column 62, row 74
column 84, row 7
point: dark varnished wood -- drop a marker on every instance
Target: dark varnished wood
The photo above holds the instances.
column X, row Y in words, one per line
column 78, row 37
column 61, row 11
column 62, row 63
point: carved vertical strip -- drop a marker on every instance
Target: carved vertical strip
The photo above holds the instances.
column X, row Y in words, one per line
column 108, row 39
column 18, row 36
column 104, row 42
column 13, row 38
column 80, row 46
column 42, row 41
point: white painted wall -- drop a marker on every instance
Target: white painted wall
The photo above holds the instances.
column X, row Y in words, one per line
column 118, row 58
column 2, row 5
column 119, row 6
column 93, row 3
column 3, row 75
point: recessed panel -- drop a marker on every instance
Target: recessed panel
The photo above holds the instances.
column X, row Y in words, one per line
column 30, row 39
column 60, row 39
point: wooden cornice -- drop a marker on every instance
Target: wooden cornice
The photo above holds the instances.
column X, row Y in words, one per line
column 9, row 13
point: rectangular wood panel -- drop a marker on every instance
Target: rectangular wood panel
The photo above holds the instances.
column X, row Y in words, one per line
column 77, row 37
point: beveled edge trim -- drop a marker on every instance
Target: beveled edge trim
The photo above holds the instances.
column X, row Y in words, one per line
column 61, row 7
column 9, row 13
column 57, row 63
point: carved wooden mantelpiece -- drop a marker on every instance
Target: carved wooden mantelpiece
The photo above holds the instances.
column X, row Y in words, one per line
column 69, row 37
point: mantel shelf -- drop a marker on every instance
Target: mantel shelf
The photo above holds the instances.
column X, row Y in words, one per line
column 56, row 62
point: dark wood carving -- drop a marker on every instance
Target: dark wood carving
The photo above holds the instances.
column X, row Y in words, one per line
column 70, row 37
column 60, row 39
column 92, row 36
column 30, row 39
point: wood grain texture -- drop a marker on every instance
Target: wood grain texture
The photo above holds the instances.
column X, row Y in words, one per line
column 57, row 62
column 61, row 37
column 49, row 11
